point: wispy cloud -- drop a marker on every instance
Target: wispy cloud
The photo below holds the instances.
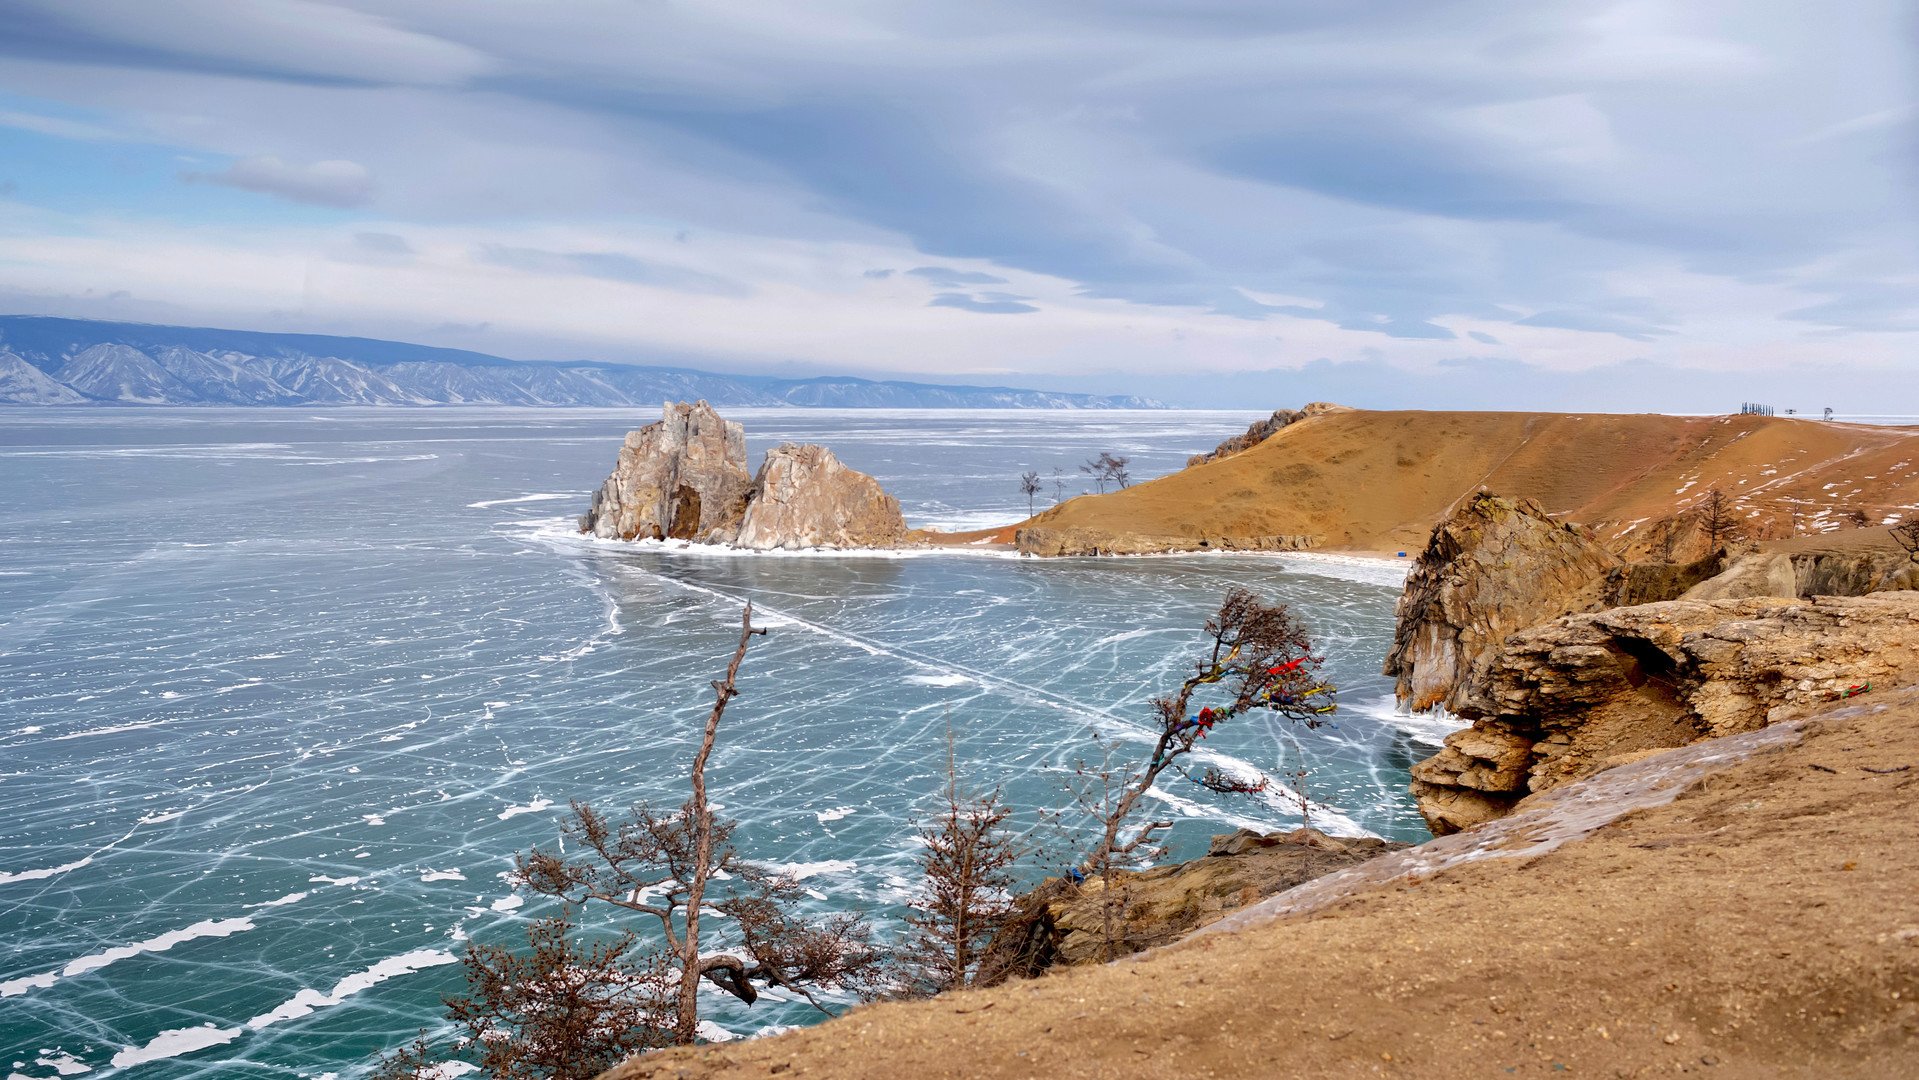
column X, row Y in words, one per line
column 951, row 278
column 340, row 184
column 985, row 303
column 613, row 266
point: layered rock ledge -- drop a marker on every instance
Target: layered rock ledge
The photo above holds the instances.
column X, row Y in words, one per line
column 1580, row 693
column 1492, row 567
column 684, row 478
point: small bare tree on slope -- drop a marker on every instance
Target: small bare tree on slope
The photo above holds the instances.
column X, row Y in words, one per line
column 966, row 864
column 564, row 1010
column 1718, row 518
column 1262, row 659
column 1106, row 467
column 1029, row 486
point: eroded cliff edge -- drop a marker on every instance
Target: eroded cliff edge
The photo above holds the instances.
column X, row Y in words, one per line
column 1566, row 658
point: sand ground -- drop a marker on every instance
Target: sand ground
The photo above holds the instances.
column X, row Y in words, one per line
column 1766, row 924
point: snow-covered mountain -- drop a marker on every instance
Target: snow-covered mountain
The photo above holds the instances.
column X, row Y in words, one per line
column 50, row 361
column 23, row 384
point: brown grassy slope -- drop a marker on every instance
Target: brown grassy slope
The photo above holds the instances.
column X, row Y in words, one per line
column 1376, row 481
column 1766, row 924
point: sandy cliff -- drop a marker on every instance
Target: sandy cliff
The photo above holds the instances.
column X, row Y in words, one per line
column 1376, row 481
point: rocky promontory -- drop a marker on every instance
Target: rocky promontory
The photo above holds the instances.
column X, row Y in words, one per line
column 1579, row 693
column 684, row 478
column 1567, row 658
column 1493, row 566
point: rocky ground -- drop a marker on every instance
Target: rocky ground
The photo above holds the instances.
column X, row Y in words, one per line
column 1765, row 924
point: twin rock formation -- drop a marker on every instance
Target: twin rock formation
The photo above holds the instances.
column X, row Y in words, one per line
column 1568, row 660
column 685, row 478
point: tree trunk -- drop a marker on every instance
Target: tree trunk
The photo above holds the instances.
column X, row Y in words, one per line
column 702, row 823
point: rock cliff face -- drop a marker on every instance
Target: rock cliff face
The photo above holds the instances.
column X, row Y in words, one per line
column 683, row 477
column 804, row 497
column 1579, row 693
column 1838, row 573
column 1261, row 430
column 1060, row 924
column 1493, row 566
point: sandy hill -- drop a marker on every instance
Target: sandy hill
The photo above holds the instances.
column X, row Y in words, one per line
column 1764, row 924
column 1376, row 481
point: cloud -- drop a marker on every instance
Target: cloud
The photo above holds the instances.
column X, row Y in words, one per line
column 341, row 184
column 942, row 275
column 382, row 243
column 613, row 266
column 1597, row 322
column 985, row 303
column 56, row 126
column 299, row 39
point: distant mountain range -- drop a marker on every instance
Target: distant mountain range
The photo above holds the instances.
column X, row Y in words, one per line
column 50, row 361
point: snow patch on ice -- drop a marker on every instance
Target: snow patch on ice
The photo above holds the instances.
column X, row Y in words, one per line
column 538, row 805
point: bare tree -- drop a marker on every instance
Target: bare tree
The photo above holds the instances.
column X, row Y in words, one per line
column 966, row 864
column 1096, row 468
column 569, row 1010
column 661, row 865
column 1107, row 468
column 1029, row 486
column 1718, row 518
column 1262, row 658
column 1059, row 485
column 1907, row 536
column 563, row 1010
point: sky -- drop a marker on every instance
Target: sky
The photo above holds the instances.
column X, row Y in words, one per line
column 1584, row 204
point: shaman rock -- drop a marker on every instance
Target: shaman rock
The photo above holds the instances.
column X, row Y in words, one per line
column 804, row 497
column 683, row 477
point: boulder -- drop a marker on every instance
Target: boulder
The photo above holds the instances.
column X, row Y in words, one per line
column 1059, row 923
column 683, row 477
column 1492, row 566
column 804, row 497
column 1583, row 692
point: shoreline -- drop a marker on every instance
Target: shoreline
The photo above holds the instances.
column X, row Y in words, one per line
column 562, row 530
